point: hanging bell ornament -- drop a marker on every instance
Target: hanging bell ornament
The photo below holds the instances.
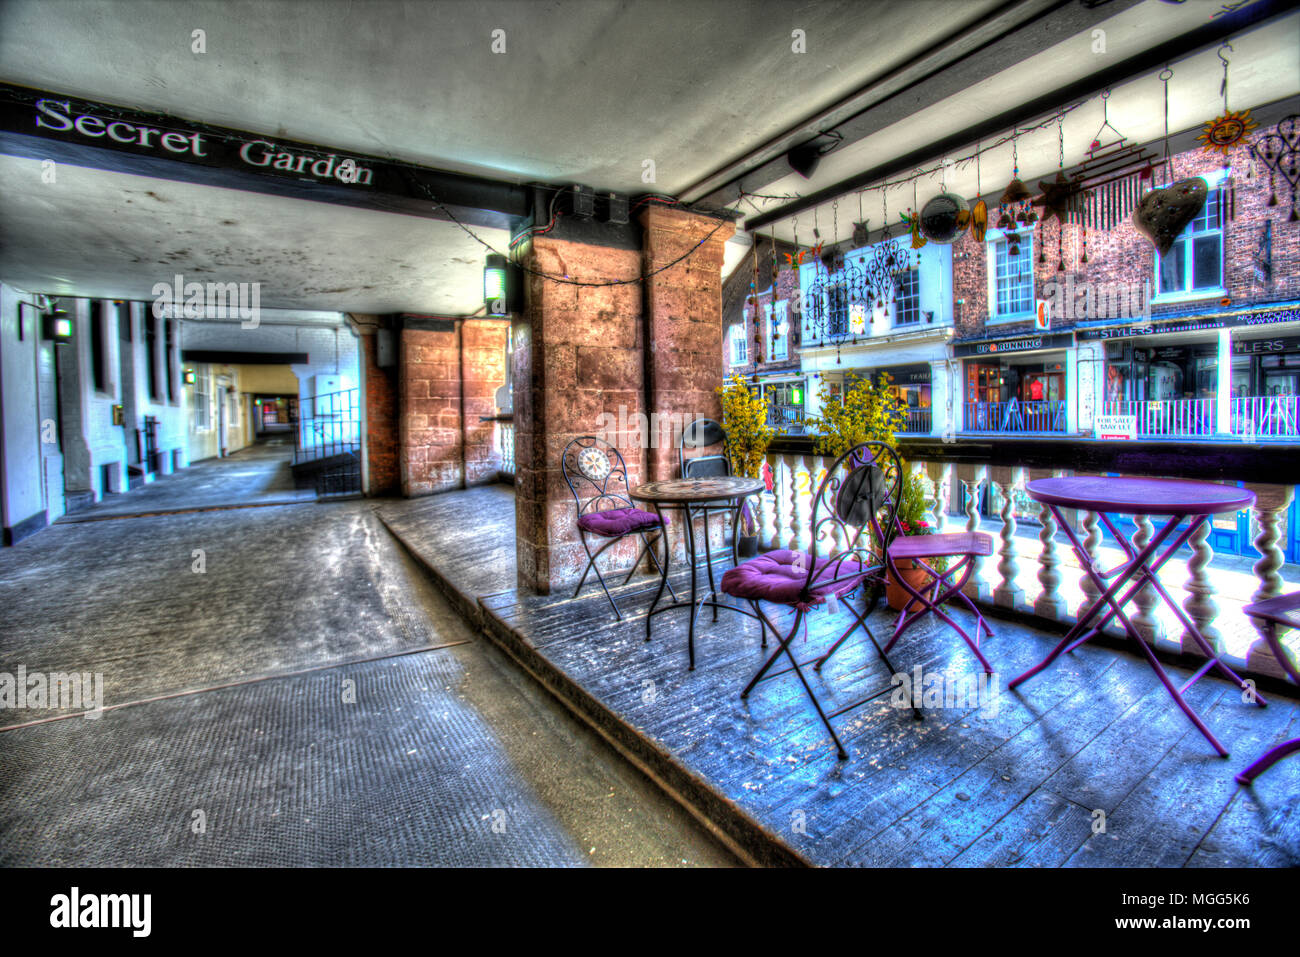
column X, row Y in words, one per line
column 1017, row 192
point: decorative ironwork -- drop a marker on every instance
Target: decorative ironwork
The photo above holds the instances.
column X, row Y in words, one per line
column 1279, row 152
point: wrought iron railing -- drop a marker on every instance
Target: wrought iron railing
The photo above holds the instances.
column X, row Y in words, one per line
column 1266, row 416
column 916, row 422
column 1157, row 418
column 328, row 432
column 1016, row 415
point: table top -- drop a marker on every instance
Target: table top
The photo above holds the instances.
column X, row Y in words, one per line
column 1140, row 496
column 697, row 490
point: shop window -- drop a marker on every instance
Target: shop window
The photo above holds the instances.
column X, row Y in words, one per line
column 907, row 300
column 778, row 331
column 171, row 364
column 1013, row 277
column 1195, row 263
column 739, row 346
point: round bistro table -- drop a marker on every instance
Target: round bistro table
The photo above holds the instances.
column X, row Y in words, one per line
column 687, row 494
column 1179, row 500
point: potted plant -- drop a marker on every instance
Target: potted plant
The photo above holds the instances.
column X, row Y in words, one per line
column 912, row 504
column 869, row 413
column 748, row 435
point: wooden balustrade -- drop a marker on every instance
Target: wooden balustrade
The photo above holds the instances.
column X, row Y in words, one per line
column 954, row 490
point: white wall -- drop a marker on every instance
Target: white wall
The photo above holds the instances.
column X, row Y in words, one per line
column 24, row 470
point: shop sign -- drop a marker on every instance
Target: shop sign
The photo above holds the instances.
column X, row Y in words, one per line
column 1205, row 323
column 1115, row 427
column 1059, row 340
column 1264, row 347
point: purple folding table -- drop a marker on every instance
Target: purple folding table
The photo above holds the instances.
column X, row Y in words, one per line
column 1179, row 500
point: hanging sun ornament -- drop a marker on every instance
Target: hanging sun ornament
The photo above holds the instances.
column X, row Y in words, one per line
column 1226, row 131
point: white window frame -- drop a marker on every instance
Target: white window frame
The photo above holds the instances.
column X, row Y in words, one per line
column 992, row 238
column 202, row 403
column 778, row 349
column 738, row 339
column 898, row 320
column 1215, row 182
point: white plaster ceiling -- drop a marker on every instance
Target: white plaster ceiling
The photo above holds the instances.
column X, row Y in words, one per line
column 586, row 91
column 97, row 233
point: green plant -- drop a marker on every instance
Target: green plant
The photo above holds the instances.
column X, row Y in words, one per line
column 868, row 413
column 748, row 435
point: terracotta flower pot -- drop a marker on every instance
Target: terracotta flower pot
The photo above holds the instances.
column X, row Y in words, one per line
column 915, row 576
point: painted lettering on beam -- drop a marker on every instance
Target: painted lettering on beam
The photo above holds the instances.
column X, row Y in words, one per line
column 59, row 116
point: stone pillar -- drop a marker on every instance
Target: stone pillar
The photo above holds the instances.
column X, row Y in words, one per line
column 577, row 371
column 684, row 303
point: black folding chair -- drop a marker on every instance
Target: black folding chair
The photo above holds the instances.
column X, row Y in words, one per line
column 589, row 461
column 854, row 518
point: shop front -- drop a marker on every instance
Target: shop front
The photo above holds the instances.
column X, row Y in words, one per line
column 1225, row 374
column 786, row 400
column 1017, row 384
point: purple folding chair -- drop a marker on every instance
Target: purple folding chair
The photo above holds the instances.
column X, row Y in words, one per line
column 945, row 585
column 589, row 461
column 853, row 517
column 1280, row 612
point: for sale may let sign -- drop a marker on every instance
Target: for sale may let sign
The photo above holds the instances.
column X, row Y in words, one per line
column 1115, row 427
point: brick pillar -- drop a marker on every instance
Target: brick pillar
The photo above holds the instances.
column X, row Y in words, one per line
column 382, row 424
column 577, row 359
column 430, row 421
column 685, row 307
column 482, row 372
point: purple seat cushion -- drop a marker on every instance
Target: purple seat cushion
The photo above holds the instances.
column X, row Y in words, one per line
column 945, row 543
column 618, row 521
column 773, row 577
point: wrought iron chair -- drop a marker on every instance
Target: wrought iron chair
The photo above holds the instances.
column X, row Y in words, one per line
column 1275, row 613
column 854, row 518
column 588, row 460
column 704, row 434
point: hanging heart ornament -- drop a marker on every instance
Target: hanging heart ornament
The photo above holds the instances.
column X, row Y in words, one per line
column 1164, row 213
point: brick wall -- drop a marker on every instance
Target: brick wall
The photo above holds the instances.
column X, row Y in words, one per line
column 482, row 372
column 1123, row 255
column 430, row 419
column 382, row 443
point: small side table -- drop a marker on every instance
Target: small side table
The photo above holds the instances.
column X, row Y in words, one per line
column 683, row 494
column 1179, row 500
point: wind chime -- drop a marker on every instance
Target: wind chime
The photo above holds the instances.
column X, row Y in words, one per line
column 1015, row 206
column 1108, row 185
column 1280, row 154
column 753, row 307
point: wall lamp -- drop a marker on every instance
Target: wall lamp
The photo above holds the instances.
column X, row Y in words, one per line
column 502, row 289
column 57, row 326
column 189, row 377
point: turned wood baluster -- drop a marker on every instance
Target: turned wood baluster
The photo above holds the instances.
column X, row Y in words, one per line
column 940, row 474
column 1146, row 600
column 1050, row 603
column 1091, row 537
column 801, row 538
column 971, row 478
column 782, row 502
column 768, row 504
column 1008, row 593
column 1199, row 603
column 1271, row 502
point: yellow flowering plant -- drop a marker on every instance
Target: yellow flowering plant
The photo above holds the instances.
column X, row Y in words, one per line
column 748, row 434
